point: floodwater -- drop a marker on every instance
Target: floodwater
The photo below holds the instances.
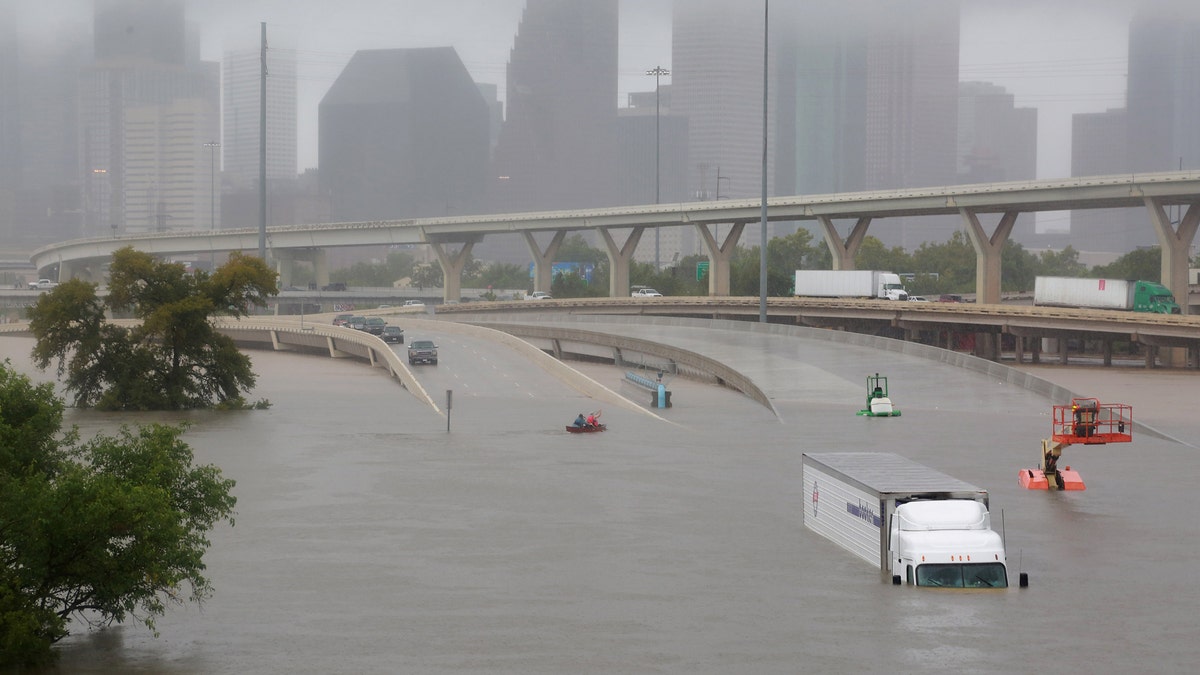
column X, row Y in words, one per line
column 368, row 539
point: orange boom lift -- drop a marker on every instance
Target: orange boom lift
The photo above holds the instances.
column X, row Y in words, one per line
column 1086, row 421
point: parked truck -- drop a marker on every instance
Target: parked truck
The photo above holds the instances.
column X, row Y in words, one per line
column 850, row 284
column 920, row 526
column 1118, row 294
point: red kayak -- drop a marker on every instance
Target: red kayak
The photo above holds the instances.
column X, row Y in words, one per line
column 586, row 430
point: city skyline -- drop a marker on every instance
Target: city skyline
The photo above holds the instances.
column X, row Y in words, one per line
column 1062, row 57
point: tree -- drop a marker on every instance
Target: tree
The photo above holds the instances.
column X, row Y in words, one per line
column 173, row 358
column 1143, row 263
column 100, row 531
column 954, row 261
column 1064, row 263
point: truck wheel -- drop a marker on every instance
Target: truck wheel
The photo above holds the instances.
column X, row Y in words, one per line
column 1023, row 580
column 895, row 579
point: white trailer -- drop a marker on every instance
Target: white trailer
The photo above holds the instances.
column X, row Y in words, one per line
column 918, row 525
column 1118, row 294
column 850, row 284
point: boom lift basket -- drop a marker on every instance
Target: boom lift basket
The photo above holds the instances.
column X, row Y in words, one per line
column 1086, row 421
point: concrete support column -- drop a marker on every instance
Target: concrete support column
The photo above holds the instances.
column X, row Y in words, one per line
column 844, row 252
column 452, row 267
column 1108, row 352
column 1019, row 349
column 987, row 253
column 66, row 271
column 618, row 260
column 320, row 262
column 543, row 261
column 1176, row 243
column 719, row 254
column 285, row 266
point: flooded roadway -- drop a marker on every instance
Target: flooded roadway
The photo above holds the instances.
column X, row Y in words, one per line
column 368, row 539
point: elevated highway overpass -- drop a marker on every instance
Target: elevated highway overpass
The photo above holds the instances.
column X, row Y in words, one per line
column 987, row 328
column 844, row 219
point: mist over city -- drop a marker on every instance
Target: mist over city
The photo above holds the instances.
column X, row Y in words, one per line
column 540, row 105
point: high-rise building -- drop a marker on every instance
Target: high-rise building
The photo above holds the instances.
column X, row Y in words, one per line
column 651, row 139
column 997, row 142
column 39, row 179
column 822, row 83
column 557, row 144
column 403, row 133
column 867, row 100
column 241, row 83
column 1157, row 131
column 144, row 98
column 717, row 84
column 1164, row 87
column 1099, row 148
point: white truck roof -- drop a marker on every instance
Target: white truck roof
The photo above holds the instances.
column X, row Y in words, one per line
column 886, row 472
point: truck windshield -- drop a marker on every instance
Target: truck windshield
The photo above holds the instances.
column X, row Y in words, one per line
column 975, row 575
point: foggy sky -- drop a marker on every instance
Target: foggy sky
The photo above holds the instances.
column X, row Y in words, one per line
column 1061, row 56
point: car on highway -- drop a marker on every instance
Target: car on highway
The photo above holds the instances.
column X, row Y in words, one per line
column 356, row 322
column 950, row 297
column 392, row 334
column 334, row 286
column 539, row 295
column 422, row 351
column 414, row 303
column 374, row 325
column 917, row 298
column 645, row 292
column 341, row 319
column 42, row 285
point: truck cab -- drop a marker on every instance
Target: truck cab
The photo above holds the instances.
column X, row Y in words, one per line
column 891, row 287
column 1149, row 296
column 946, row 543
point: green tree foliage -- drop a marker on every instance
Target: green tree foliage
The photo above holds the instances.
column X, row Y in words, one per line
column 398, row 265
column 102, row 531
column 1018, row 267
column 954, row 261
column 873, row 255
column 1064, row 263
column 1144, row 264
column 173, row 358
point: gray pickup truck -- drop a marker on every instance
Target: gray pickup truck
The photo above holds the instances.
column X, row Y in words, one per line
column 422, row 351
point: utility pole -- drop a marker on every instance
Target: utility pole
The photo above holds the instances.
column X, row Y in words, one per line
column 262, row 149
column 657, row 72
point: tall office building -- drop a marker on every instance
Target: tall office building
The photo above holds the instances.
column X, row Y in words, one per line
column 146, row 97
column 403, row 133
column 822, row 84
column 241, row 83
column 1099, row 147
column 1157, row 131
column 717, row 84
column 1164, row 87
column 557, row 144
column 867, row 100
column 10, row 120
column 997, row 142
column 652, row 139
column 39, row 180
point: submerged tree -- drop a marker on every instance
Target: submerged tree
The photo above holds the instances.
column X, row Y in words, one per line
column 101, row 531
column 173, row 358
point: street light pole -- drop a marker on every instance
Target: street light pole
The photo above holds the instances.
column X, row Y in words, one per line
column 762, row 246
column 213, row 198
column 657, row 72
column 212, row 184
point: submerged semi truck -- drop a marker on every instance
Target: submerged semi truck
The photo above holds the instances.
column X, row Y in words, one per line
column 920, row 526
column 1118, row 294
column 850, row 284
